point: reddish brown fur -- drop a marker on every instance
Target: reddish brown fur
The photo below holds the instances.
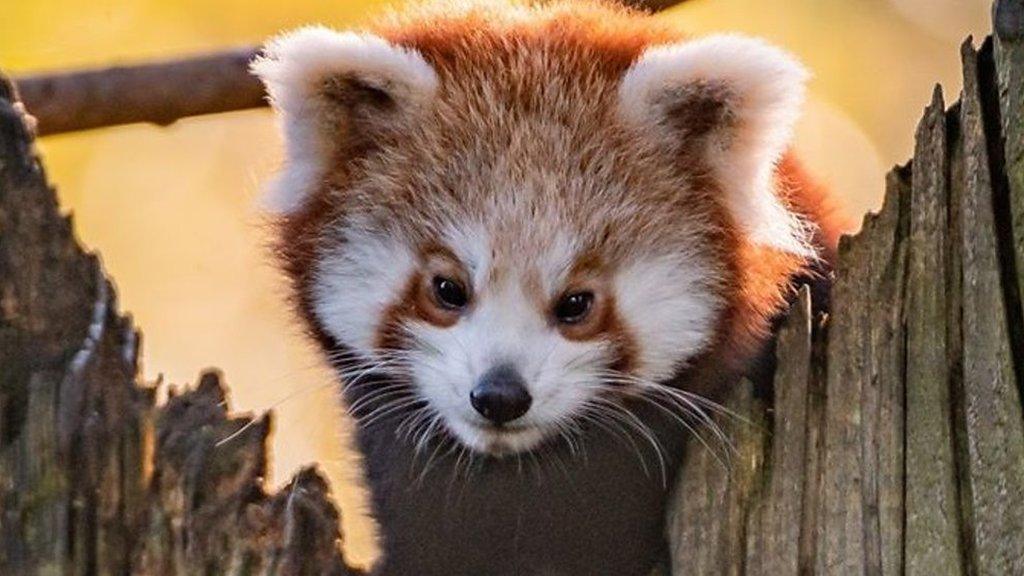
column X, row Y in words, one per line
column 595, row 39
column 500, row 68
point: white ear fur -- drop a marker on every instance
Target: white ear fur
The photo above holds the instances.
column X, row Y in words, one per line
column 763, row 88
column 293, row 67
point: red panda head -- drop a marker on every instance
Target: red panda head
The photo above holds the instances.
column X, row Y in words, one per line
column 524, row 213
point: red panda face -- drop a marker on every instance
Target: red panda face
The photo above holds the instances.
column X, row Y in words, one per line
column 522, row 228
column 568, row 327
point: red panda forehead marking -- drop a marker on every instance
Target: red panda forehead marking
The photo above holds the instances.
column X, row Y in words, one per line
column 457, row 39
column 500, row 61
column 524, row 133
column 524, row 181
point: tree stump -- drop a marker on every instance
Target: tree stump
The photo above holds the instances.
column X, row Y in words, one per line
column 94, row 477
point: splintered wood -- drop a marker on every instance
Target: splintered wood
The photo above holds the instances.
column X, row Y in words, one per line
column 94, row 477
column 894, row 440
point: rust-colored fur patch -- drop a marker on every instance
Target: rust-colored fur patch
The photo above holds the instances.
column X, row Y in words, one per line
column 499, row 64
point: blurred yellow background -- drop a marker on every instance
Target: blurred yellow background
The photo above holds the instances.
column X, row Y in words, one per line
column 173, row 209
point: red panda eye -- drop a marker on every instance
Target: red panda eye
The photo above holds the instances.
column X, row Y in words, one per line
column 573, row 308
column 449, row 293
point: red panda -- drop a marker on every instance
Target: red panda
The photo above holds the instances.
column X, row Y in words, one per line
column 529, row 237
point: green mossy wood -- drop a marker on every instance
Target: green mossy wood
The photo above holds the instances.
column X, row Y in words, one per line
column 891, row 440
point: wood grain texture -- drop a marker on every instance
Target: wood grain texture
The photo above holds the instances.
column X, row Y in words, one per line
column 774, row 532
column 94, row 477
column 993, row 475
column 717, row 489
column 1009, row 59
column 886, row 236
column 932, row 505
column 859, row 525
column 841, row 528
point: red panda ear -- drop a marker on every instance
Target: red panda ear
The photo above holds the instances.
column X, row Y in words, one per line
column 334, row 89
column 734, row 101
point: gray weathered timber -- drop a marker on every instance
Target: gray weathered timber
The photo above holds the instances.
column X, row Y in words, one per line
column 993, row 470
column 932, row 539
column 774, row 547
column 717, row 484
column 841, row 529
column 94, row 477
column 1009, row 57
column 859, row 522
column 912, row 410
column 888, row 234
column 889, row 441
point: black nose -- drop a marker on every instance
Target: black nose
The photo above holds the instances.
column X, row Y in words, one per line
column 500, row 395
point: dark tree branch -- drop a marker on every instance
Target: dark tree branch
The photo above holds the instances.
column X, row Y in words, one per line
column 159, row 92
column 652, row 5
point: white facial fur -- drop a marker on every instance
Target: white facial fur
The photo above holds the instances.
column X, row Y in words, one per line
column 666, row 300
column 356, row 282
column 504, row 328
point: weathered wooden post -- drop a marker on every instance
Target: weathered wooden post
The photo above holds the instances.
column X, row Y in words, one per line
column 892, row 440
column 94, row 478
